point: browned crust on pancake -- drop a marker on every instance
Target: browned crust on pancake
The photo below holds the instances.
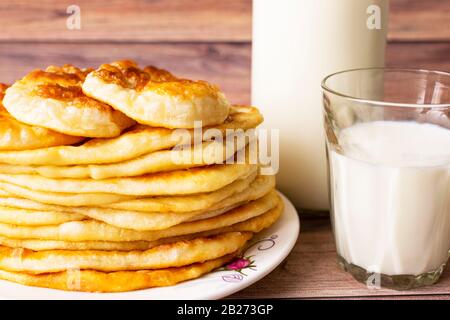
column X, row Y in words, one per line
column 28, row 137
column 64, row 84
column 127, row 74
column 119, row 281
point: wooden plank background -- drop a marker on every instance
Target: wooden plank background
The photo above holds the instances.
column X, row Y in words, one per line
column 186, row 20
column 202, row 39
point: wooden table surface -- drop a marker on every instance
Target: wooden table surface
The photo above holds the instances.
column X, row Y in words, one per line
column 311, row 272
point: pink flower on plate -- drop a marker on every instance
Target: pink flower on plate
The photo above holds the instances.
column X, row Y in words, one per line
column 238, row 264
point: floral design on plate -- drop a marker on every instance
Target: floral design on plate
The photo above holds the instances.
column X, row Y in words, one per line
column 245, row 261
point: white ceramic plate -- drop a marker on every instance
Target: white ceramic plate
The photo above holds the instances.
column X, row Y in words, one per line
column 265, row 252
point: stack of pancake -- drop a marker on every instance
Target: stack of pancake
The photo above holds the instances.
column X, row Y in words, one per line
column 91, row 198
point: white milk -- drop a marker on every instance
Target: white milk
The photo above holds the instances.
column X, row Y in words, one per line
column 296, row 43
column 391, row 196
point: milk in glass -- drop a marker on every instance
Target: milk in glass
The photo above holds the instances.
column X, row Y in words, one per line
column 391, row 196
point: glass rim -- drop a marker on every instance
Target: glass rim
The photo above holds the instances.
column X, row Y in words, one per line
column 379, row 103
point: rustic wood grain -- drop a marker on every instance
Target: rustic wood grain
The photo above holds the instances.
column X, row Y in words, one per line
column 185, row 20
column 128, row 20
column 311, row 271
column 418, row 20
column 228, row 65
column 419, row 55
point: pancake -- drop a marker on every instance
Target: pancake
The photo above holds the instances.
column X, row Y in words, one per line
column 119, row 281
column 237, row 190
column 159, row 161
column 122, row 219
column 254, row 225
column 15, row 196
column 134, row 142
column 61, row 198
column 196, row 180
column 175, row 254
column 148, row 221
column 53, row 99
column 15, row 135
column 157, row 221
column 155, row 97
column 91, row 230
column 26, row 217
column 136, row 220
column 193, row 202
column 40, row 245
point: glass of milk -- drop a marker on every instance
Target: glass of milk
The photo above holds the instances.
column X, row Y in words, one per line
column 388, row 147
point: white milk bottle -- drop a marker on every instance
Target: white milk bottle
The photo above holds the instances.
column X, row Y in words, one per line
column 295, row 45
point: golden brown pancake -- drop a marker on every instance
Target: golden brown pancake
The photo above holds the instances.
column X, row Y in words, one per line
column 199, row 201
column 15, row 135
column 212, row 152
column 196, row 180
column 155, row 97
column 61, row 198
column 175, row 254
column 119, row 281
column 135, row 142
column 15, row 196
column 254, row 225
column 53, row 99
column 27, row 217
column 92, row 230
column 136, row 220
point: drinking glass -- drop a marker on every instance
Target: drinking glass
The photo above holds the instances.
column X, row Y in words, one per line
column 388, row 153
